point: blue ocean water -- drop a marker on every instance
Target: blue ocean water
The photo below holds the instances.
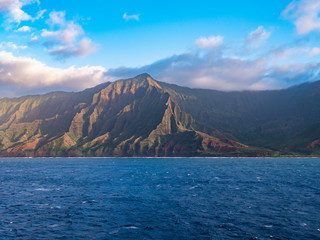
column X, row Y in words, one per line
column 149, row 198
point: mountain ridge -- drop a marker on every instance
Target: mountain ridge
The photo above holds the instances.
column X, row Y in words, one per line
column 144, row 117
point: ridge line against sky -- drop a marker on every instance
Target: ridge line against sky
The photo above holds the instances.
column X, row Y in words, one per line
column 235, row 45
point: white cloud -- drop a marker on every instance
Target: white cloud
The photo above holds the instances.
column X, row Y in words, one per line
column 191, row 70
column 210, row 42
column 305, row 15
column 129, row 17
column 57, row 18
column 14, row 13
column 34, row 39
column 198, row 69
column 256, row 37
column 24, row 29
column 223, row 73
column 84, row 48
column 293, row 74
column 66, row 35
column 204, row 71
column 67, row 41
column 29, row 73
column 12, row 45
column 314, row 51
column 294, row 53
column 283, row 54
column 212, row 69
column 39, row 15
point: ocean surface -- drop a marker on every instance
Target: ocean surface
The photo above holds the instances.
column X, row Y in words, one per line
column 160, row 198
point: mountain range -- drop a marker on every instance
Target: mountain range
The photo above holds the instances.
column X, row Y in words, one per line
column 144, row 117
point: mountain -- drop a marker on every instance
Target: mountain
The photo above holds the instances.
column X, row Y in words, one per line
column 145, row 117
column 287, row 121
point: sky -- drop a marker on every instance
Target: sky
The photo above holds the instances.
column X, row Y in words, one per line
column 229, row 45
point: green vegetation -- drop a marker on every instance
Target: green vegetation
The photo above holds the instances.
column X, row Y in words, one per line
column 143, row 117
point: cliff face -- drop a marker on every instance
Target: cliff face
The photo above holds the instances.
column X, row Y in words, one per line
column 133, row 117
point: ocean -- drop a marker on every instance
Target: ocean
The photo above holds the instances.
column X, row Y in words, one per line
column 160, row 198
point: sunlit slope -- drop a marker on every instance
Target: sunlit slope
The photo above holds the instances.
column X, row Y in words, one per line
column 133, row 117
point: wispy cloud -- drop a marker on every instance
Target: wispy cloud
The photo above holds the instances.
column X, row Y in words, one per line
column 305, row 15
column 292, row 74
column 23, row 29
column 293, row 53
column 34, row 39
column 256, row 37
column 83, row 48
column 314, row 51
column 128, row 17
column 68, row 40
column 14, row 13
column 210, row 42
column 12, row 45
column 57, row 18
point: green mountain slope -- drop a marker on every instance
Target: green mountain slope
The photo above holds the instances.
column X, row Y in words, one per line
column 133, row 117
column 144, row 117
column 283, row 120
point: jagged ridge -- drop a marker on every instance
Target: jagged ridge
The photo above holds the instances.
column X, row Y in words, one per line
column 133, row 117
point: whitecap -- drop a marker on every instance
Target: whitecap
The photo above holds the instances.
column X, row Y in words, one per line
column 114, row 232
column 53, row 225
column 43, row 189
column 131, row 227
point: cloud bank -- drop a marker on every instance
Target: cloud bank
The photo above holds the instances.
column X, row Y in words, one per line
column 223, row 73
column 24, row 73
column 212, row 63
column 207, row 66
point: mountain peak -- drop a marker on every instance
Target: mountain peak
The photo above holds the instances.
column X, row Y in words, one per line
column 143, row 117
column 148, row 78
column 143, row 76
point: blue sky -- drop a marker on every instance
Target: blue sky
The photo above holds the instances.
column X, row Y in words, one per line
column 226, row 45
